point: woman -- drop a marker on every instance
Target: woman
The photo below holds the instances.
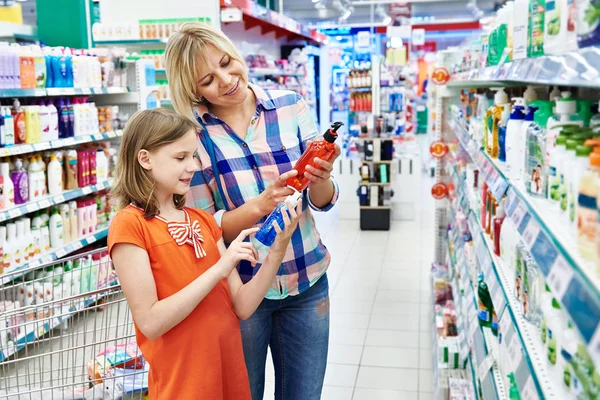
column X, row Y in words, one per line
column 250, row 141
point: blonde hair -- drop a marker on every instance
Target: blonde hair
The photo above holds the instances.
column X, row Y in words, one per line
column 148, row 130
column 184, row 49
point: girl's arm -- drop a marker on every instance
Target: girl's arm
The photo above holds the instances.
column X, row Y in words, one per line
column 246, row 298
column 156, row 317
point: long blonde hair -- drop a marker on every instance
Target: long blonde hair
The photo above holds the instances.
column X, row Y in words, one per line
column 148, row 130
column 185, row 47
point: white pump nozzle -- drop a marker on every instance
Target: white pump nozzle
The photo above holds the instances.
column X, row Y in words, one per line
column 530, row 95
column 555, row 94
column 519, row 101
column 500, row 97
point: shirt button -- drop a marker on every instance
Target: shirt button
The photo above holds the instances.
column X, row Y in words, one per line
column 245, row 145
column 255, row 167
column 253, row 120
column 283, row 148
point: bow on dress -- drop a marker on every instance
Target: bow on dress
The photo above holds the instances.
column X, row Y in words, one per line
column 188, row 233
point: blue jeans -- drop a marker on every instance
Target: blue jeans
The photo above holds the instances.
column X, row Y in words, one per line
column 297, row 330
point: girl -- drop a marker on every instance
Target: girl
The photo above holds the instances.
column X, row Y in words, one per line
column 180, row 281
column 250, row 141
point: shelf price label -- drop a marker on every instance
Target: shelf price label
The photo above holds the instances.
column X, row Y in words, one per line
column 77, row 245
column 485, row 366
column 14, row 213
column 60, row 253
column 529, row 392
column 91, row 239
column 44, row 203
column 560, row 277
column 530, row 233
column 59, row 199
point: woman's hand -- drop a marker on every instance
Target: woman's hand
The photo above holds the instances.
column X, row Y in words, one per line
column 323, row 173
column 289, row 226
column 237, row 251
column 274, row 194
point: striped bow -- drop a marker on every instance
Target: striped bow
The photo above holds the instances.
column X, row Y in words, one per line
column 188, row 233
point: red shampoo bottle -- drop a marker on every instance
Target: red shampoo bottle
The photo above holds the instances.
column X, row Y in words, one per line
column 322, row 148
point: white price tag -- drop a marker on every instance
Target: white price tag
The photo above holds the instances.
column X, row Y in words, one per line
column 44, row 204
column 31, row 207
column 115, row 90
column 498, row 300
column 560, row 277
column 518, row 214
column 59, row 199
column 41, row 331
column 47, row 259
column 41, row 146
column 87, row 190
column 514, row 351
column 86, row 91
column 91, row 239
column 14, row 213
column 68, row 142
column 60, row 253
column 528, row 392
column 485, row 366
column 77, row 245
column 531, row 233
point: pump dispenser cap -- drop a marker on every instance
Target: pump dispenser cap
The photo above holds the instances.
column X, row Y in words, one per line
column 294, row 197
column 566, row 104
column 500, row 97
column 555, row 94
column 518, row 109
column 530, row 94
column 331, row 133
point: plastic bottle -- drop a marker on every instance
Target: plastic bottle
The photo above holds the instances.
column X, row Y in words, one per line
column 29, row 238
column 22, row 242
column 565, row 115
column 74, row 221
column 9, row 127
column 493, row 117
column 588, row 23
column 21, row 184
column 485, row 307
column 19, row 121
column 92, row 216
column 30, row 134
column 44, row 122
column 71, row 116
column 266, row 235
column 498, row 220
column 56, row 230
column 560, row 31
column 12, row 247
column 64, row 214
column 323, row 148
column 535, row 176
column 556, row 182
column 555, row 326
column 40, row 67
column 529, row 95
column 55, row 183
column 587, row 207
column 502, row 126
column 536, row 27
column 101, row 166
column 520, row 19
column 513, row 139
column 36, row 236
column 91, row 155
column 71, row 168
column 53, row 133
column 33, row 170
column 9, row 191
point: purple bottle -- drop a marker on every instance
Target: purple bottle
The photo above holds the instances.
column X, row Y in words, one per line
column 19, row 179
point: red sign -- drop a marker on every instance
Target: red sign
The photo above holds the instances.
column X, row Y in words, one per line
column 438, row 149
column 440, row 76
column 439, row 191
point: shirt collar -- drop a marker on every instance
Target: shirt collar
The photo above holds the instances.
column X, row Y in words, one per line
column 262, row 100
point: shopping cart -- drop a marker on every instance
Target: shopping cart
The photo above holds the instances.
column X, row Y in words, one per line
column 75, row 340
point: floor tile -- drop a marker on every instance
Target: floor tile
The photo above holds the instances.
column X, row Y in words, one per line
column 394, row 322
column 387, row 378
column 403, row 296
column 395, row 308
column 350, row 320
column 369, row 279
column 378, row 394
column 390, row 357
column 426, row 396
column 344, row 354
column 387, row 338
column 425, row 380
column 341, row 375
column 398, row 284
column 353, row 337
column 354, row 292
column 351, row 306
column 337, row 393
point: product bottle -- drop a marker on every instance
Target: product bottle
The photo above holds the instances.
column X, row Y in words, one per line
column 21, row 241
column 485, row 307
column 493, row 117
column 19, row 122
column 20, row 182
column 9, row 127
column 588, row 25
column 536, row 27
column 555, row 327
column 9, row 191
column 513, row 139
column 53, row 133
column 12, row 247
column 4, row 249
column 587, row 207
column 498, row 220
column 56, row 230
column 266, row 235
column 535, row 176
column 55, row 183
column 36, row 236
column 101, row 166
column 323, row 149
column 502, row 127
column 557, row 190
column 29, row 238
column 93, row 216
column 560, row 35
column 93, row 167
column 44, row 122
column 43, row 174
column 566, row 115
column 66, row 221
column 34, row 183
column 71, row 167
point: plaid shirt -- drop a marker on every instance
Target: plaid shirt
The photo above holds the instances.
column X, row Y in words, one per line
column 276, row 137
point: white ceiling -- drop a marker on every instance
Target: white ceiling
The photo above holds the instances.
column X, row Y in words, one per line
column 325, row 11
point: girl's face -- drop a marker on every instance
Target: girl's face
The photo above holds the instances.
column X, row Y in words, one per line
column 222, row 80
column 173, row 165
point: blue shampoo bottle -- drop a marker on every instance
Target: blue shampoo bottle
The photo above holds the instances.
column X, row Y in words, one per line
column 266, row 235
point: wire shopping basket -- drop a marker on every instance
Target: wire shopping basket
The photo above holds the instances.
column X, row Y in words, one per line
column 67, row 333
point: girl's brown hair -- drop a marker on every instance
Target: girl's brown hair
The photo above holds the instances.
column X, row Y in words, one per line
column 148, row 130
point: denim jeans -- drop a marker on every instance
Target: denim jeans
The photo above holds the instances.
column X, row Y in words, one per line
column 297, row 330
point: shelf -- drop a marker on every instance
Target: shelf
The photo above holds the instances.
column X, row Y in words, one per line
column 360, row 89
column 161, row 71
column 379, row 162
column 375, row 138
column 53, row 255
column 50, row 201
column 571, row 278
column 57, row 144
column 578, row 68
column 375, row 183
column 258, row 73
column 10, row 93
column 46, row 325
column 376, row 207
column 136, row 42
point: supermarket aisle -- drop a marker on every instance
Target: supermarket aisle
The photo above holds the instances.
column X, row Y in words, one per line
column 380, row 343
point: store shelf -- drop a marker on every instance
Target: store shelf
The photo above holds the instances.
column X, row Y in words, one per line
column 572, row 279
column 52, row 200
column 385, row 139
column 260, row 72
column 379, row 162
column 375, row 183
column 578, row 68
column 161, row 71
column 375, row 207
column 360, row 89
column 57, row 144
column 53, row 255
column 46, row 325
column 135, row 42
column 10, row 93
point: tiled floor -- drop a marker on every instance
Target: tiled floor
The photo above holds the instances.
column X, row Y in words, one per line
column 380, row 340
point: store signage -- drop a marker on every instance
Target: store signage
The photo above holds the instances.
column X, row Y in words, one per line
column 363, row 39
column 440, row 76
column 439, row 191
column 438, row 149
column 404, row 31
column 231, row 14
column 418, row 37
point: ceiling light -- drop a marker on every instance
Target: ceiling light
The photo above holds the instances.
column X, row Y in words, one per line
column 315, row 1
column 346, row 15
column 387, row 20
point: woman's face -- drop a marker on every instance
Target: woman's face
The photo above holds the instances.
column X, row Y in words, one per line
column 222, row 80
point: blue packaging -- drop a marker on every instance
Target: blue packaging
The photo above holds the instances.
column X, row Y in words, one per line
column 49, row 71
column 267, row 234
column 588, row 22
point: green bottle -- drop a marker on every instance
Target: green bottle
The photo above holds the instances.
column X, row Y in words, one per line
column 484, row 303
column 537, row 9
column 513, row 393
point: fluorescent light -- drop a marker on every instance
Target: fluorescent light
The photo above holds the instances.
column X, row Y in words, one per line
column 387, row 20
column 346, row 14
column 315, row 1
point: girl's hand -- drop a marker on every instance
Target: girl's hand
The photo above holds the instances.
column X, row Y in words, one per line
column 289, row 226
column 274, row 194
column 323, row 173
column 237, row 251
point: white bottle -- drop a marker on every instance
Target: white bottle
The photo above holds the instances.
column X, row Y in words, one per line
column 101, row 166
column 56, row 230
column 513, row 140
column 64, row 214
column 36, row 236
column 42, row 175
column 520, row 29
column 53, row 135
column 55, row 175
column 45, row 233
column 529, row 95
column 12, row 247
column 565, row 114
column 29, row 238
column 9, row 187
column 5, row 260
column 93, row 222
column 82, row 219
column 74, row 220
column 33, row 171
column 21, row 242
column 45, row 122
column 560, row 34
column 9, row 127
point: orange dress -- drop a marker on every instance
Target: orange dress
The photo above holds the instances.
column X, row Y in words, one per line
column 202, row 357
